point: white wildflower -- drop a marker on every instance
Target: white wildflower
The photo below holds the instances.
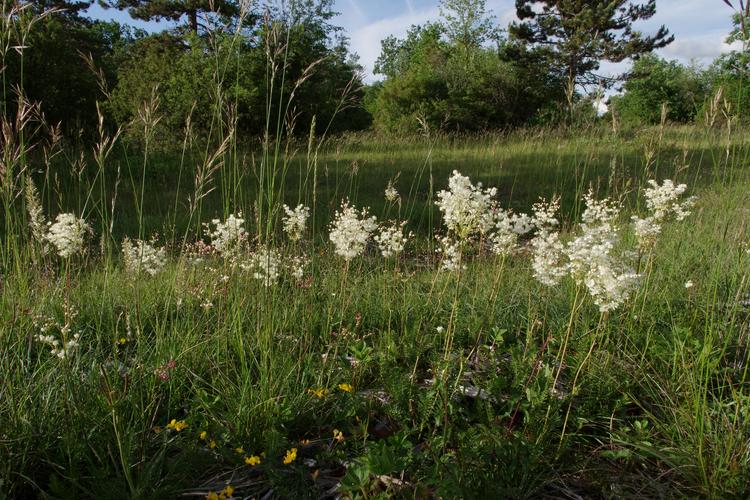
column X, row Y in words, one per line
column 522, row 223
column 451, row 252
column 67, row 234
column 64, row 344
column 392, row 239
column 547, row 260
column 140, row 256
column 37, row 220
column 391, row 194
column 689, row 284
column 227, row 237
column 647, row 231
column 294, row 221
column 548, row 252
column 297, row 266
column 350, row 231
column 591, row 259
column 545, row 215
column 664, row 203
column 610, row 288
column 467, row 208
column 265, row 264
column 503, row 240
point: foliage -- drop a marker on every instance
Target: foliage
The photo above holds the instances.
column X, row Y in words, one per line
column 654, row 82
column 582, row 34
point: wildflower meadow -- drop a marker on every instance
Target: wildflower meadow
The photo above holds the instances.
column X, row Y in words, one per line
column 544, row 312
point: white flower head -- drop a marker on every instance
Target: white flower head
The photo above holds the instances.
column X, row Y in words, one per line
column 265, row 263
column 547, row 251
column 67, row 234
column 504, row 238
column 297, row 266
column 591, row 258
column 548, row 258
column 295, row 221
column 391, row 239
column 452, row 258
column 647, row 231
column 391, row 193
column 228, row 237
column 350, row 231
column 664, row 201
column 140, row 256
column 467, row 208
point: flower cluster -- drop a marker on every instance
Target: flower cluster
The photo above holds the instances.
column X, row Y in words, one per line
column 67, row 234
column 224, row 494
column 451, row 252
column 591, row 256
column 66, row 342
column 140, row 256
column 663, row 202
column 547, row 250
column 392, row 239
column 297, row 266
column 37, row 220
column 294, row 221
column 350, row 231
column 265, row 264
column 508, row 227
column 467, row 208
column 227, row 237
column 391, row 194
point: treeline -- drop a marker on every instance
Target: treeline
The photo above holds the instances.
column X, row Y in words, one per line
column 248, row 64
column 285, row 67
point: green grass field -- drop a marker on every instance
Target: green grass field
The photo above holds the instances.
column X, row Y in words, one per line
column 387, row 377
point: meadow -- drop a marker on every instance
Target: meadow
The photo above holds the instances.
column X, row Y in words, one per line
column 232, row 348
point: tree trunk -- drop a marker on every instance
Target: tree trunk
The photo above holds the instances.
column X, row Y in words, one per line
column 570, row 90
column 193, row 20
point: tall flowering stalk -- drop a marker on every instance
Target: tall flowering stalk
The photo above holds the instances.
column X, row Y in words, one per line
column 351, row 230
column 295, row 221
column 466, row 208
column 547, row 250
column 392, row 239
column 227, row 237
column 664, row 203
column 141, row 256
column 592, row 262
column 67, row 234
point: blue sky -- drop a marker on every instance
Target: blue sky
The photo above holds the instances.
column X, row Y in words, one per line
column 699, row 26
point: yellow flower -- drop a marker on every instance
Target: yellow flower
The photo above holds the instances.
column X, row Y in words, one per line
column 291, row 456
column 346, row 387
column 212, row 496
column 122, row 341
column 203, row 435
column 318, row 393
column 338, row 435
column 177, row 425
column 228, row 490
column 252, row 460
column 239, row 450
column 212, row 444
